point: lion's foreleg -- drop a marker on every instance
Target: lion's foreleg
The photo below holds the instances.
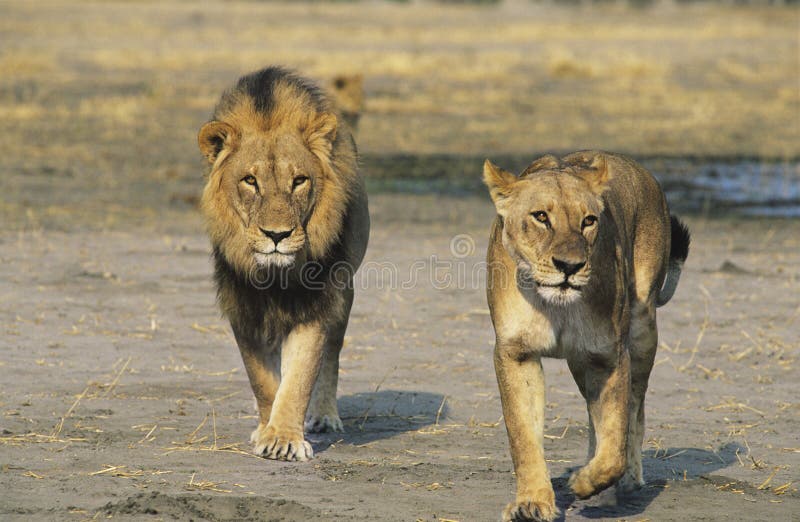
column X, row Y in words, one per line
column 521, row 384
column 608, row 393
column 301, row 358
column 262, row 370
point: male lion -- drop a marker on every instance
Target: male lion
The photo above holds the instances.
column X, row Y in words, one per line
column 578, row 257
column 286, row 211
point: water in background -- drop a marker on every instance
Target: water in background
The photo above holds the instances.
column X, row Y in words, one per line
column 707, row 186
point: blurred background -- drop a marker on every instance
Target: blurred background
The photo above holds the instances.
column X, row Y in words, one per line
column 100, row 102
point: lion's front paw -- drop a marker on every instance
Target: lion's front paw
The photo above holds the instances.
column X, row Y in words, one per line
column 320, row 423
column 530, row 510
column 274, row 444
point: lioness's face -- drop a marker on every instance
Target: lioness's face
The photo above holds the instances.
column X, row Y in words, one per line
column 550, row 224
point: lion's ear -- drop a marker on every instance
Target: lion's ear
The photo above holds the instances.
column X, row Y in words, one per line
column 213, row 137
column 597, row 174
column 321, row 133
column 499, row 183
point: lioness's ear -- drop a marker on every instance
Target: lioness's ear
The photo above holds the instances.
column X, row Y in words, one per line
column 213, row 137
column 499, row 182
column 321, row 133
column 597, row 175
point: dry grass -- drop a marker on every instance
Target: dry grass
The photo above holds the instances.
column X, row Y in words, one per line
column 552, row 79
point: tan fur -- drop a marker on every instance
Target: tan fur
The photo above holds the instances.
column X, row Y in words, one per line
column 603, row 322
column 286, row 212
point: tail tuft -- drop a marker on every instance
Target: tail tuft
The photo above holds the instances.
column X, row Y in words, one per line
column 679, row 244
column 678, row 252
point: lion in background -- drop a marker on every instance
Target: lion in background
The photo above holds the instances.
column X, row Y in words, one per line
column 348, row 95
column 582, row 251
column 286, row 212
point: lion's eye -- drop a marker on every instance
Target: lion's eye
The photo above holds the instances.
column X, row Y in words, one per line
column 299, row 180
column 250, row 180
column 589, row 221
column 540, row 216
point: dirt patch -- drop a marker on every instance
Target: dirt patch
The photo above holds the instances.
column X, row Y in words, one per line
column 211, row 508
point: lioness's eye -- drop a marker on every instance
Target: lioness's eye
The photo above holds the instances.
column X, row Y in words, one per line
column 589, row 221
column 540, row 216
column 299, row 180
column 250, row 180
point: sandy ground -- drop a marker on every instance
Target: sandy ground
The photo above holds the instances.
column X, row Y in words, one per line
column 121, row 391
column 123, row 394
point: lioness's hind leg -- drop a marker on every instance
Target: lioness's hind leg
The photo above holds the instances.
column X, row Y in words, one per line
column 644, row 340
column 577, row 369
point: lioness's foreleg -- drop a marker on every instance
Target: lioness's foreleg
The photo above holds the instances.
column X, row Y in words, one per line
column 521, row 383
column 607, row 392
column 301, row 356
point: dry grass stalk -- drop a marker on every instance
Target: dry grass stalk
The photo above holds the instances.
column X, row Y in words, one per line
column 439, row 411
column 60, row 425
column 205, row 485
column 765, row 485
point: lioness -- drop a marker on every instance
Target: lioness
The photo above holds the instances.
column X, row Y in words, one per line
column 578, row 257
column 286, row 211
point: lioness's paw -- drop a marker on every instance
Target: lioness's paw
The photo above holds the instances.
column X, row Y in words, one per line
column 628, row 484
column 594, row 477
column 581, row 484
column 320, row 423
column 273, row 444
column 530, row 511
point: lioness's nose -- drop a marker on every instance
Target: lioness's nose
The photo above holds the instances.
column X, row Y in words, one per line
column 275, row 236
column 567, row 268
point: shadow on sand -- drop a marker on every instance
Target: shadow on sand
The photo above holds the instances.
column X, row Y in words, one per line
column 371, row 416
column 660, row 467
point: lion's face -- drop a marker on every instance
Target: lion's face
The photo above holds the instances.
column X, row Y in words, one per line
column 270, row 186
column 550, row 224
column 260, row 195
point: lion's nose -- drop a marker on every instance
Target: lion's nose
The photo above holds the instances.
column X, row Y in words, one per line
column 275, row 236
column 567, row 268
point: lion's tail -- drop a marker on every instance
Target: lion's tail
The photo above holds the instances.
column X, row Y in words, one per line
column 678, row 252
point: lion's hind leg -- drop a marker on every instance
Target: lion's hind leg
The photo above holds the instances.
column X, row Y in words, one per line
column 323, row 412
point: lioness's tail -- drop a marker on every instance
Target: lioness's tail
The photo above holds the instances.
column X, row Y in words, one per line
column 678, row 252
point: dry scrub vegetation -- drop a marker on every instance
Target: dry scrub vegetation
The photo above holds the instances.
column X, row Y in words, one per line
column 521, row 76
